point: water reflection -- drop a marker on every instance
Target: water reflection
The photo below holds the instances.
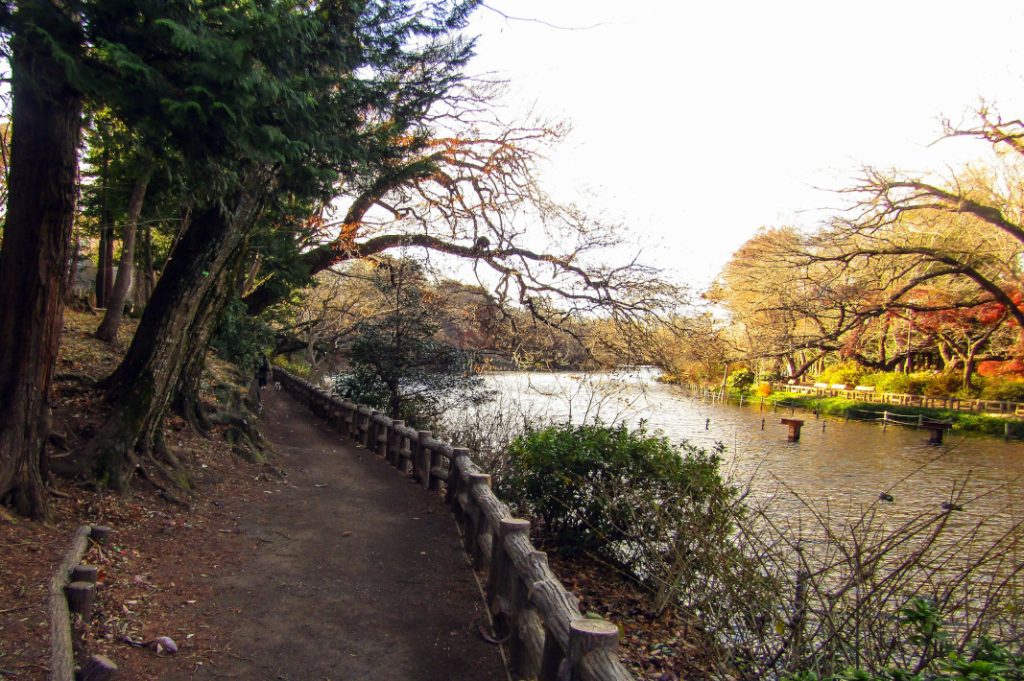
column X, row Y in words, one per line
column 839, row 467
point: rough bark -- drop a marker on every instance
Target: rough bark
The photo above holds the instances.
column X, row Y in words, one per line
column 148, row 277
column 142, row 386
column 105, row 261
column 123, row 284
column 33, row 261
column 186, row 401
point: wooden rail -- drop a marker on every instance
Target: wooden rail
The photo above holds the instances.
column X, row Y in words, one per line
column 548, row 637
column 997, row 407
column 1000, row 407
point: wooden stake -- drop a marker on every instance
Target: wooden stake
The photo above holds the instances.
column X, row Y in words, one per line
column 98, row 668
column 81, row 596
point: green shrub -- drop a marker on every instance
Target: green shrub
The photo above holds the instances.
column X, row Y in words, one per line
column 741, row 379
column 934, row 657
column 239, row 337
column 898, row 382
column 582, row 481
column 1002, row 388
column 297, row 366
column 946, row 384
column 848, row 372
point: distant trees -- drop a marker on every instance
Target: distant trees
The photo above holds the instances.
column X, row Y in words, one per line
column 916, row 268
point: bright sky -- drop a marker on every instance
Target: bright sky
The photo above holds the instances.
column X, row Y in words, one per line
column 695, row 123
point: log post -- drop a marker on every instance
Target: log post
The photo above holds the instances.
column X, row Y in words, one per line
column 397, row 440
column 501, row 578
column 460, row 455
column 383, row 435
column 585, row 636
column 794, row 429
column 99, row 533
column 421, row 465
column 347, row 418
column 405, row 454
column 81, row 597
column 364, row 426
column 433, row 461
column 551, row 659
column 371, row 430
column 98, row 668
column 476, row 521
column 85, row 573
column 526, row 645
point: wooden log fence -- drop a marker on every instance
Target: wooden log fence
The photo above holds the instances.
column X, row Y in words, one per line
column 997, row 407
column 548, row 638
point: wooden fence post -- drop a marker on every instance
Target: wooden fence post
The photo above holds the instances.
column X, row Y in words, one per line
column 371, row 431
column 476, row 521
column 347, row 419
column 585, row 636
column 383, row 433
column 456, row 466
column 421, row 464
column 395, row 444
column 501, row 578
column 405, row 453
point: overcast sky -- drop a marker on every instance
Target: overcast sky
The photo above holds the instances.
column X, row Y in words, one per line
column 695, row 123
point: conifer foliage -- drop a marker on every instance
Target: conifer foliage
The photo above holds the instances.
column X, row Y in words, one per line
column 260, row 104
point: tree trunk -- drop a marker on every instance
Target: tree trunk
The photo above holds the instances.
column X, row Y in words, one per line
column 122, row 286
column 104, row 263
column 186, row 401
column 73, row 266
column 148, row 274
column 969, row 362
column 143, row 385
column 33, row 261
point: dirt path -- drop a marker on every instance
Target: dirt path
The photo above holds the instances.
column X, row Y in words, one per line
column 353, row 573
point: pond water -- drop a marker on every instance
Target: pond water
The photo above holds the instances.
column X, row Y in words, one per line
column 840, row 468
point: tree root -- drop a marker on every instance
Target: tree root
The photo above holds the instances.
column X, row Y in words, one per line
column 160, row 488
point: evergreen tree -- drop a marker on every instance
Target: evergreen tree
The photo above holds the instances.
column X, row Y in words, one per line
column 399, row 362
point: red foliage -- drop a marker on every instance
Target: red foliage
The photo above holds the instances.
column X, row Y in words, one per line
column 1011, row 368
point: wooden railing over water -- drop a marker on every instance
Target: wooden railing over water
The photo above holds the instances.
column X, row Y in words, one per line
column 1000, row 407
column 862, row 394
column 548, row 637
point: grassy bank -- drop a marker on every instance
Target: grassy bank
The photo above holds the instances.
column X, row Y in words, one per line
column 967, row 422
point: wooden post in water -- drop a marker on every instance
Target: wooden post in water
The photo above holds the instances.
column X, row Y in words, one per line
column 936, row 430
column 794, row 429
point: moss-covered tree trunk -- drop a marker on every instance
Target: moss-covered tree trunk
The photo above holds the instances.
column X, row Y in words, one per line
column 186, row 402
column 142, row 386
column 36, row 242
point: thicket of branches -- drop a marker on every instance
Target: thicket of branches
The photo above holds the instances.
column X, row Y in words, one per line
column 919, row 272
column 233, row 152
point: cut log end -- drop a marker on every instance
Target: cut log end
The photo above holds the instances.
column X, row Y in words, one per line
column 81, row 596
column 99, row 533
column 97, row 668
column 85, row 573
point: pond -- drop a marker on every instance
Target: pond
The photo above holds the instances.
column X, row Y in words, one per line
column 840, row 468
